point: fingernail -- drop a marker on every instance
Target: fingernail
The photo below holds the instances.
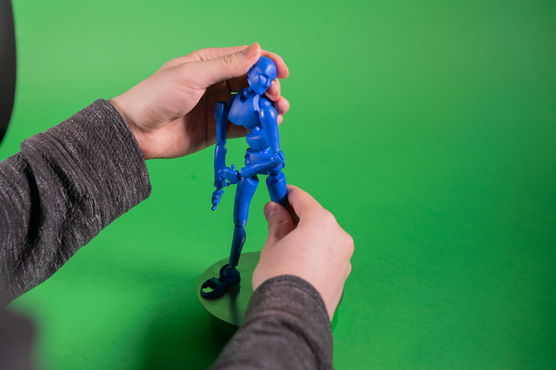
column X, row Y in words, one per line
column 269, row 210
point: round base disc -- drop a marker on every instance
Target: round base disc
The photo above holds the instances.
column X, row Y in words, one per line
column 231, row 307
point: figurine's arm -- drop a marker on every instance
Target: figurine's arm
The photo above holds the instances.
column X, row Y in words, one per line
column 269, row 120
column 221, row 172
column 221, row 114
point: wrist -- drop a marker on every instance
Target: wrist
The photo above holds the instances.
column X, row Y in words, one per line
column 139, row 135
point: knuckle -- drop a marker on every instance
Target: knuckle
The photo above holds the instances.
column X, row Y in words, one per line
column 349, row 244
column 228, row 60
column 349, row 240
column 202, row 54
column 173, row 62
column 168, row 64
column 328, row 217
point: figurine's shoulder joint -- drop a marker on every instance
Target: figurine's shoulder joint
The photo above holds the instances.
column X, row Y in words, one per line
column 265, row 103
column 266, row 108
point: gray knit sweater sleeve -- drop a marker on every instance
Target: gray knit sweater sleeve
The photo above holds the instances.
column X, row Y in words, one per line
column 65, row 186
column 286, row 327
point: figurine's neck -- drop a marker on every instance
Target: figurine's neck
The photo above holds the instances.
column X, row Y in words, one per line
column 249, row 91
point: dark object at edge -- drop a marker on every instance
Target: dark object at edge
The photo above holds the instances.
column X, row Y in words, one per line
column 7, row 65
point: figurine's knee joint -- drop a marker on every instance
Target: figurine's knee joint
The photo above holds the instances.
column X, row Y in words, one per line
column 274, row 178
column 240, row 221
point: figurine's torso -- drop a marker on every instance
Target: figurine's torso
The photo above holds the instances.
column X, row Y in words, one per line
column 244, row 111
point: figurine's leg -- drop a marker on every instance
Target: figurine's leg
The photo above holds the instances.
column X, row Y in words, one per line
column 229, row 275
column 244, row 193
column 276, row 184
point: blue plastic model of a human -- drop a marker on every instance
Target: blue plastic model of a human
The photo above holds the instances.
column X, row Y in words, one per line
column 252, row 110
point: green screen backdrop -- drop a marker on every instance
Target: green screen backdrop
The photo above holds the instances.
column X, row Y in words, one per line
column 427, row 127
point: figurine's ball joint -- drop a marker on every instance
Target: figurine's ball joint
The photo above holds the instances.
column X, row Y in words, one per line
column 216, row 287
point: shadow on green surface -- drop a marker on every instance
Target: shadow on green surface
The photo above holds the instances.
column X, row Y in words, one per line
column 182, row 341
column 157, row 307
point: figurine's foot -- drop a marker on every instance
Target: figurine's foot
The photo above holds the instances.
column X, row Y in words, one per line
column 216, row 287
column 213, row 288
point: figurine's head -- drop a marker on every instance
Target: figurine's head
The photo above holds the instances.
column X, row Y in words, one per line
column 261, row 75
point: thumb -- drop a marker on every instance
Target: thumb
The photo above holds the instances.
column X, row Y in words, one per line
column 279, row 221
column 212, row 71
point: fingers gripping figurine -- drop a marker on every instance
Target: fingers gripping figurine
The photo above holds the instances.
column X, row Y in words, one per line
column 252, row 110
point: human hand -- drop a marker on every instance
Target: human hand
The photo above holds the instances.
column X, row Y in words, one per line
column 317, row 249
column 171, row 113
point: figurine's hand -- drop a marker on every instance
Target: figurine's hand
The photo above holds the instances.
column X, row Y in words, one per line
column 216, row 196
column 229, row 174
column 171, row 113
column 317, row 249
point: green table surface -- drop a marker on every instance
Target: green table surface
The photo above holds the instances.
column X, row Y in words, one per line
column 427, row 127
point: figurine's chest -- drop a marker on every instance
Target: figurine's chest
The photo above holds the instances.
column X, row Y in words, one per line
column 244, row 111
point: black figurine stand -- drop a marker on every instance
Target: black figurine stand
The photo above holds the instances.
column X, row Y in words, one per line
column 230, row 308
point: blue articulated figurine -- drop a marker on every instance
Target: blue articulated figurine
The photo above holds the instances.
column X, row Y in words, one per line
column 252, row 110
